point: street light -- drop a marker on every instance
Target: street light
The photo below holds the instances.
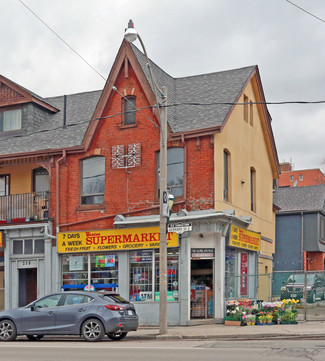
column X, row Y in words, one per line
column 131, row 35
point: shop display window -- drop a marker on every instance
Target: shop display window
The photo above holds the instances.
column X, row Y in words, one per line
column 141, row 282
column 103, row 271
column 144, row 284
column 172, row 275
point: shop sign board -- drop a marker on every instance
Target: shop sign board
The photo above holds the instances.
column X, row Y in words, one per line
column 244, row 238
column 200, row 253
column 113, row 240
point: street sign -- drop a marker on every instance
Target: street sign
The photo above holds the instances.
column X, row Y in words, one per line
column 179, row 227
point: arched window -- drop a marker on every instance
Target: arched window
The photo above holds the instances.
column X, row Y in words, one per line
column 93, row 180
column 253, row 190
column 226, row 175
column 129, row 106
column 40, row 180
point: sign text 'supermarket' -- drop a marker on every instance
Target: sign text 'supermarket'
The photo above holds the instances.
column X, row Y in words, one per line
column 113, row 239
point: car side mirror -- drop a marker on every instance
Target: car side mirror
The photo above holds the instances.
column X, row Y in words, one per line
column 32, row 307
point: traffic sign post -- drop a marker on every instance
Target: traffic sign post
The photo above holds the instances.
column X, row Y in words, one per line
column 179, row 227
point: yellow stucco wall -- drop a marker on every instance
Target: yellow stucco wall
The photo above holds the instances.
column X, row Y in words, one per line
column 21, row 178
column 249, row 146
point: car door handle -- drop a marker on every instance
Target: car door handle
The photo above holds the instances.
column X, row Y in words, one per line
column 50, row 313
column 81, row 310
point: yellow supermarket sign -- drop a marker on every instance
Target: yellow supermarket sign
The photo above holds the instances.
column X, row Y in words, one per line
column 113, row 240
column 243, row 238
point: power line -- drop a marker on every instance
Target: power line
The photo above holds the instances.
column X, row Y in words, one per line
column 154, row 106
column 81, row 57
column 305, row 11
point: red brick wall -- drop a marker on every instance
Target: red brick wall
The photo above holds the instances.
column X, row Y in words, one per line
column 315, row 261
column 126, row 191
column 309, row 177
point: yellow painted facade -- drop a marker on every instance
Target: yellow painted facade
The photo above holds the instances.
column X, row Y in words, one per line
column 21, row 177
column 247, row 142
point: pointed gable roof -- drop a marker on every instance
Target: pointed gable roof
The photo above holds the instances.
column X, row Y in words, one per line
column 219, row 87
column 184, row 119
column 14, row 94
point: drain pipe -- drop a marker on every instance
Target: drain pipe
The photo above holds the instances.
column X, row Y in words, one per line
column 58, row 162
column 46, row 232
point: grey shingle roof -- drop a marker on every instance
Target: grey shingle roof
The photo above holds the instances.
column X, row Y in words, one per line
column 219, row 87
column 300, row 198
column 47, row 131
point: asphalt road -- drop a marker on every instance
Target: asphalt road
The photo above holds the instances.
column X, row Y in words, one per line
column 280, row 350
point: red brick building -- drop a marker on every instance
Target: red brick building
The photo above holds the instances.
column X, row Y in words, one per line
column 299, row 178
column 79, row 181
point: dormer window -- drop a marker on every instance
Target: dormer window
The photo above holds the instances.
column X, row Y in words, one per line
column 129, row 106
column 10, row 120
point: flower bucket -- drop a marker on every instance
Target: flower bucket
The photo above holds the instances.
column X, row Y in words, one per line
column 232, row 323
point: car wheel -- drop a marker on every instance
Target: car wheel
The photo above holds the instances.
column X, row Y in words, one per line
column 117, row 336
column 92, row 330
column 312, row 297
column 34, row 337
column 8, row 330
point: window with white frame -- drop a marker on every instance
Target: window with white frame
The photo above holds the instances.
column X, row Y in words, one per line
column 27, row 246
column 10, row 120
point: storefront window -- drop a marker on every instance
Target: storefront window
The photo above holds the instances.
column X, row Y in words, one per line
column 142, row 282
column 141, row 264
column 103, row 272
column 172, row 275
column 230, row 272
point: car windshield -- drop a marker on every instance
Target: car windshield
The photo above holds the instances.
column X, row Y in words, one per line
column 116, row 298
column 300, row 278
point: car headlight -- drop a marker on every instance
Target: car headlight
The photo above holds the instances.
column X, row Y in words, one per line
column 309, row 288
column 283, row 288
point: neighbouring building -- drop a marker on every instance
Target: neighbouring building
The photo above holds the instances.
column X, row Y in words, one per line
column 79, row 183
column 300, row 230
column 299, row 178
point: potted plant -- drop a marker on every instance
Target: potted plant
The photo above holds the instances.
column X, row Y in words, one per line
column 233, row 317
column 269, row 318
column 288, row 317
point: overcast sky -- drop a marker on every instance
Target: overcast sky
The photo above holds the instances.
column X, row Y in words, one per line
column 183, row 37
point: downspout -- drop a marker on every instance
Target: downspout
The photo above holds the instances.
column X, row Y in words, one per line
column 58, row 162
column 302, row 254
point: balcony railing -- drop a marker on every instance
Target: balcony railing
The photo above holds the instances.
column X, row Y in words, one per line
column 24, row 207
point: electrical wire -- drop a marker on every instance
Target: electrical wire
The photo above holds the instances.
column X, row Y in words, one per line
column 292, row 3
column 81, row 57
column 152, row 107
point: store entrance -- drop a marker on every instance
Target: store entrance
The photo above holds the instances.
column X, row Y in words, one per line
column 202, row 303
column 27, row 285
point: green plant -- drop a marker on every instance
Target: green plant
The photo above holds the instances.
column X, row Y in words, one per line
column 234, row 314
column 288, row 316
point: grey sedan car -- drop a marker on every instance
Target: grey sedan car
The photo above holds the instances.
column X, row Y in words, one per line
column 89, row 314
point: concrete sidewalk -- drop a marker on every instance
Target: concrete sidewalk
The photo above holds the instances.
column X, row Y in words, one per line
column 311, row 329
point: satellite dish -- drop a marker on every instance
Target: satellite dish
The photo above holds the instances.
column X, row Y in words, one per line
column 295, row 183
